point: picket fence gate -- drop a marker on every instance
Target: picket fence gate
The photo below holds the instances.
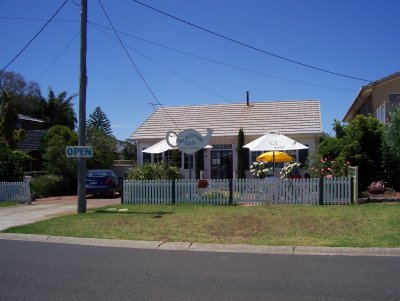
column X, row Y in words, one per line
column 15, row 192
column 240, row 191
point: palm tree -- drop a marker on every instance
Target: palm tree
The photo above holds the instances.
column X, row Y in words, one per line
column 58, row 110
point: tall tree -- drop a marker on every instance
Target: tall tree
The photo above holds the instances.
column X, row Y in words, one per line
column 27, row 94
column 58, row 110
column 391, row 149
column 104, row 148
column 98, row 119
column 8, row 119
column 12, row 163
column 241, row 155
column 54, row 158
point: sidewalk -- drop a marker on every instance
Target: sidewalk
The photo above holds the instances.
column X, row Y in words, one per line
column 46, row 208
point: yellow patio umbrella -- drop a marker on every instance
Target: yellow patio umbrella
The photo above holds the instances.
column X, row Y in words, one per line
column 274, row 156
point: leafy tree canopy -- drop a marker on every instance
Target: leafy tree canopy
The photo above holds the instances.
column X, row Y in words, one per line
column 129, row 151
column 358, row 142
column 8, row 119
column 104, row 148
column 12, row 163
column 53, row 149
column 58, row 110
column 391, row 149
column 27, row 95
column 98, row 119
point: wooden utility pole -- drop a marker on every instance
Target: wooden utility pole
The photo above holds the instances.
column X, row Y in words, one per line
column 82, row 110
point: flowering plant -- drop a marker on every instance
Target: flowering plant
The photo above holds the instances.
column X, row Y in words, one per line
column 330, row 168
column 288, row 169
column 259, row 169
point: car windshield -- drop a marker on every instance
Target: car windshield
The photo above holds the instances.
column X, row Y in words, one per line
column 97, row 173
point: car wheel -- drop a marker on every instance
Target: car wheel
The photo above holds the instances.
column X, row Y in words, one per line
column 113, row 193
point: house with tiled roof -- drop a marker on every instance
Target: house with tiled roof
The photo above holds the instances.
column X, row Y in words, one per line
column 31, row 142
column 376, row 98
column 297, row 119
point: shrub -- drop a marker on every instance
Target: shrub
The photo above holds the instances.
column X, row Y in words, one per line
column 154, row 171
column 259, row 169
column 327, row 167
column 12, row 163
column 48, row 185
column 289, row 169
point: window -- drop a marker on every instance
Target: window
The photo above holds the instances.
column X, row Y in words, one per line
column 222, row 146
column 380, row 113
column 394, row 100
column 173, row 157
column 157, row 158
column 303, row 155
column 186, row 160
column 146, row 157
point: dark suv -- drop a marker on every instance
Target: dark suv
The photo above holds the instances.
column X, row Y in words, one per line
column 102, row 181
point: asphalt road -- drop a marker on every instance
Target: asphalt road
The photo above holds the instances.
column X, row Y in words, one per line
column 46, row 271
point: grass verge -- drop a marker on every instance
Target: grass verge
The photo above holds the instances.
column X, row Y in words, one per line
column 372, row 225
column 7, row 204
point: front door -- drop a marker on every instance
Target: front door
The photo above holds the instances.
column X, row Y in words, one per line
column 221, row 164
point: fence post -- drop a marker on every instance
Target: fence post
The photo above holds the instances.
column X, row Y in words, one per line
column 173, row 182
column 230, row 191
column 121, row 190
column 321, row 191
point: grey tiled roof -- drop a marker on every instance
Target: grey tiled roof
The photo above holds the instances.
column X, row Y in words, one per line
column 288, row 117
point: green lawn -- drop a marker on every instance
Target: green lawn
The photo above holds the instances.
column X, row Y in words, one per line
column 372, row 225
column 7, row 204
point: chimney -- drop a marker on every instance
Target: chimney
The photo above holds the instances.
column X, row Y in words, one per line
column 247, row 98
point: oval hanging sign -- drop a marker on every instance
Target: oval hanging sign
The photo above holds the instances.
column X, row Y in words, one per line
column 189, row 141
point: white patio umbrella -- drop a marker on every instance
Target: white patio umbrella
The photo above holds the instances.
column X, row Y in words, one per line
column 274, row 141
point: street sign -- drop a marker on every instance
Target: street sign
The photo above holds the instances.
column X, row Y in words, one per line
column 79, row 151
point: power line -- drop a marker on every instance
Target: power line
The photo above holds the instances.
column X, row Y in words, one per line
column 194, row 55
column 38, row 19
column 58, row 56
column 26, row 46
column 250, row 46
column 133, row 63
column 222, row 63
column 168, row 69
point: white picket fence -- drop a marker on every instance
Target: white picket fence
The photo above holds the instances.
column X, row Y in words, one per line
column 217, row 192
column 15, row 192
column 242, row 192
column 337, row 191
column 276, row 191
column 147, row 192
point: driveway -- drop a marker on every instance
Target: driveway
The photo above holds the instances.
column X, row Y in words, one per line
column 46, row 208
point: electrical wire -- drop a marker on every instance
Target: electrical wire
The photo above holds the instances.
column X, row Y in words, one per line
column 250, row 46
column 166, row 68
column 222, row 63
column 38, row 19
column 194, row 55
column 58, row 56
column 26, row 46
column 134, row 65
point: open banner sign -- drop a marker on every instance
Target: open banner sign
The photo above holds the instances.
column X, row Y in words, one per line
column 79, row 151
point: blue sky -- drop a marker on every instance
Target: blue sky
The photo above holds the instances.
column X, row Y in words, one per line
column 356, row 38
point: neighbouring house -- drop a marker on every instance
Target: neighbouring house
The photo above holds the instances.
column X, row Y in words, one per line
column 33, row 136
column 376, row 98
column 298, row 119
